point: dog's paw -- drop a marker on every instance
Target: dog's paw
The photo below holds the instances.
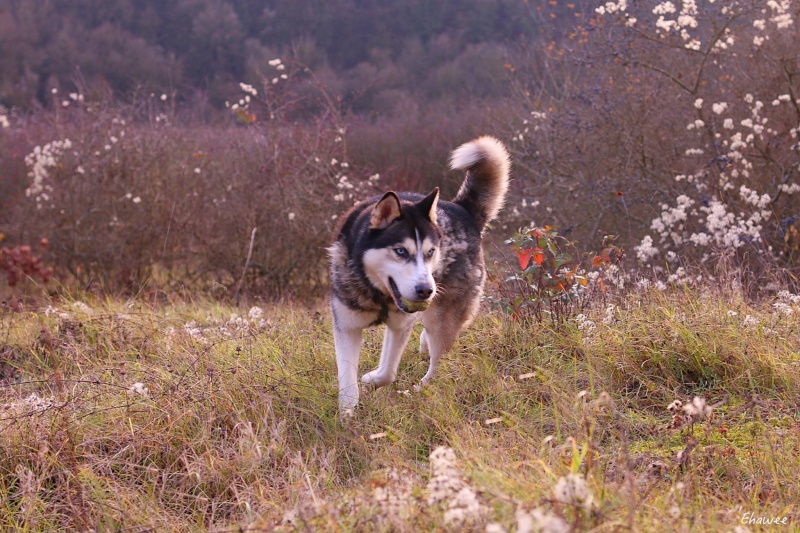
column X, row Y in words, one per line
column 375, row 379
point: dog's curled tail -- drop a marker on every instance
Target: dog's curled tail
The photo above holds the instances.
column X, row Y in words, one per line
column 483, row 192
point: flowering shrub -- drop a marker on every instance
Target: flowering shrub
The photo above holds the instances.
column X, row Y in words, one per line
column 130, row 196
column 143, row 196
column 40, row 161
column 682, row 128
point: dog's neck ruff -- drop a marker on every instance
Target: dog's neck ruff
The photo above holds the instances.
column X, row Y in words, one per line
column 383, row 315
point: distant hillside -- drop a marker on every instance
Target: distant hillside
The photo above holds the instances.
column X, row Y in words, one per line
column 424, row 48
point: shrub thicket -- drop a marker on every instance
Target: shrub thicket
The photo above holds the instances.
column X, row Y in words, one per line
column 140, row 196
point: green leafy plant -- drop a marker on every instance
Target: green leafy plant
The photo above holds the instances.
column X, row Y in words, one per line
column 553, row 281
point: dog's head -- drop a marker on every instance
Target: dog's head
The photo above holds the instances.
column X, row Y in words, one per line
column 405, row 250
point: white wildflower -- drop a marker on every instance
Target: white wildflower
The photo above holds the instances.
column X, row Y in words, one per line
column 540, row 521
column 645, row 251
column 700, row 239
column 394, row 497
column 782, row 308
column 249, row 89
column 573, row 490
column 664, row 8
column 786, row 296
column 139, row 388
column 193, row 330
column 54, row 311
column 586, row 326
column 698, row 409
column 609, row 316
column 82, row 307
column 32, row 404
column 446, row 485
column 749, row 322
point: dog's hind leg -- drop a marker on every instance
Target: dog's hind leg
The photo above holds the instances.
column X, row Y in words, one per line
column 423, row 342
column 394, row 342
column 438, row 342
column 442, row 326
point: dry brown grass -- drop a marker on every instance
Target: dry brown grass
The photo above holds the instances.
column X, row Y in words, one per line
column 234, row 423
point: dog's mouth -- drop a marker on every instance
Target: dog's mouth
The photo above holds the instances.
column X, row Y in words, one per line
column 397, row 297
column 404, row 304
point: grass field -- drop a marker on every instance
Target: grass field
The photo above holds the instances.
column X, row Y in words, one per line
column 121, row 416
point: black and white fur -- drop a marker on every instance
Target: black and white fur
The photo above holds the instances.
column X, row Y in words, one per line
column 404, row 252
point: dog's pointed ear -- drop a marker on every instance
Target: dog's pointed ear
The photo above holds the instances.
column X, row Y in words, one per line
column 428, row 204
column 385, row 212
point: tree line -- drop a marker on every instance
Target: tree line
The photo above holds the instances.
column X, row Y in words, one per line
column 421, row 48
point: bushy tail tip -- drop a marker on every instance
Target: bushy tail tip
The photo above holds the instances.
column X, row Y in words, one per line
column 484, row 189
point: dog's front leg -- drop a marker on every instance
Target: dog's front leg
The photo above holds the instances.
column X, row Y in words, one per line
column 348, row 346
column 394, row 342
column 347, row 328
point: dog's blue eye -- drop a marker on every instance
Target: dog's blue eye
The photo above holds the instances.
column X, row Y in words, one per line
column 430, row 252
column 401, row 252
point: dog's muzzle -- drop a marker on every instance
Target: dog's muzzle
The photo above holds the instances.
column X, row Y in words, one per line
column 411, row 306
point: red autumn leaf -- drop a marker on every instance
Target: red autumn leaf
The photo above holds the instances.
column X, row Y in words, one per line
column 539, row 257
column 600, row 260
column 524, row 257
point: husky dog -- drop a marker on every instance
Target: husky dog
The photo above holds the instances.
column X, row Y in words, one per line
column 404, row 256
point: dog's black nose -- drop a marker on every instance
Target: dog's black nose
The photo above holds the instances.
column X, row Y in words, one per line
column 423, row 291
